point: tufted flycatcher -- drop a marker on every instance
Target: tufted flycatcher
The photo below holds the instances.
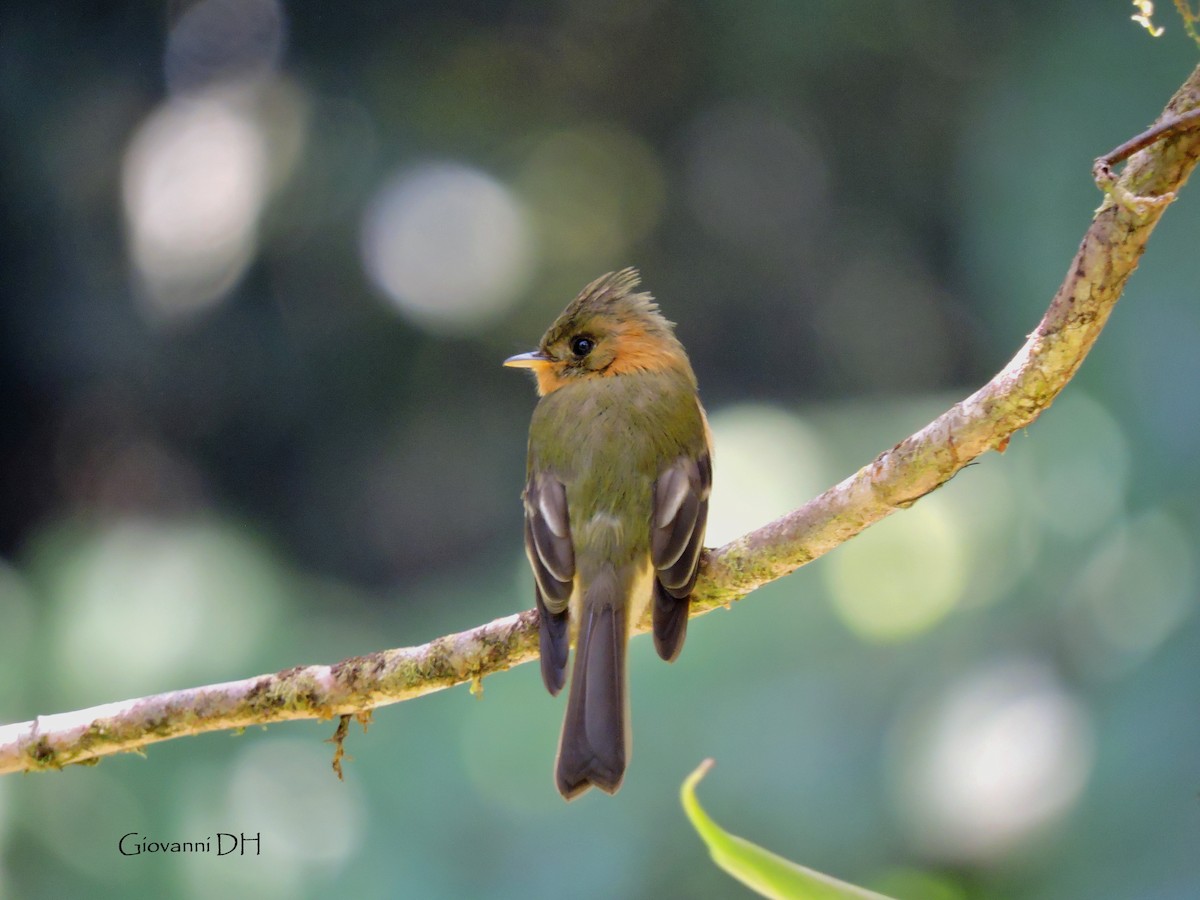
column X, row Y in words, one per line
column 616, row 499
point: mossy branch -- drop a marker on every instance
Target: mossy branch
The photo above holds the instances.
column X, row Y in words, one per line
column 894, row 480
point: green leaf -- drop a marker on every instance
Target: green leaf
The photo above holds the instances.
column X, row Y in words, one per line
column 759, row 869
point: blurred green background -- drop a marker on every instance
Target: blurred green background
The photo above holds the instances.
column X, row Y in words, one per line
column 261, row 263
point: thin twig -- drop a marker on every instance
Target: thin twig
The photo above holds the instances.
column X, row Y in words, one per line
column 1102, row 168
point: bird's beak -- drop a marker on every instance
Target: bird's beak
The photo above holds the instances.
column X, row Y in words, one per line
column 530, row 360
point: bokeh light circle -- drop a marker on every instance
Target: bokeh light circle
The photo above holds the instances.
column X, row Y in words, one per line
column 195, row 181
column 901, row 577
column 447, row 245
column 990, row 761
column 767, row 461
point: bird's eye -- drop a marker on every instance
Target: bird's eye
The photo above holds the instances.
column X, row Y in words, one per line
column 582, row 346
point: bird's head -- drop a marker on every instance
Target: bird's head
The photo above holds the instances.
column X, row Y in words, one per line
column 607, row 330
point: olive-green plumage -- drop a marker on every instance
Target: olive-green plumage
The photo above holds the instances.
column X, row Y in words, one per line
column 615, row 507
column 607, row 440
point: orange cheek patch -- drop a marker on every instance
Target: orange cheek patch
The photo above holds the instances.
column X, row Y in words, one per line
column 637, row 351
column 548, row 380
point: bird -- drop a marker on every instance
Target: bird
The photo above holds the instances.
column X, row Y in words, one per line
column 618, row 478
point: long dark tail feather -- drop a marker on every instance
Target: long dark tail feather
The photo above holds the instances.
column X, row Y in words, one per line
column 552, row 645
column 670, row 618
column 594, row 747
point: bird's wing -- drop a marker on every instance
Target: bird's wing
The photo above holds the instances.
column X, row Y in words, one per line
column 552, row 557
column 676, row 539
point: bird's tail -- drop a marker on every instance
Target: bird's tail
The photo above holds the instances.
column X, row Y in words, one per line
column 595, row 742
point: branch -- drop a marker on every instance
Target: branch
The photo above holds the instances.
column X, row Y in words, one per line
column 896, row 479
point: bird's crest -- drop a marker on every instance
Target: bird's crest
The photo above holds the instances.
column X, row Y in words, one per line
column 612, row 297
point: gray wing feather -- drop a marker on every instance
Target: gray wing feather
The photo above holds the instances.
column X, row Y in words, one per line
column 680, row 515
column 548, row 540
column 548, row 546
